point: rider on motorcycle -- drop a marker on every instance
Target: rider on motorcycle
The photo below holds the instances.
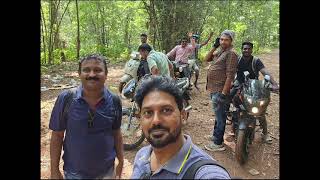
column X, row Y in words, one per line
column 253, row 65
column 180, row 53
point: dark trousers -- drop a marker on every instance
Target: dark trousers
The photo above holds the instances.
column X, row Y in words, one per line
column 219, row 108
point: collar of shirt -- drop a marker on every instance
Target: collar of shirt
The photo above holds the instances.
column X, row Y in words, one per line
column 79, row 94
column 176, row 163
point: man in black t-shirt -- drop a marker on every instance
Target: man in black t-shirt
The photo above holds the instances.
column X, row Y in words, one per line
column 245, row 63
column 253, row 65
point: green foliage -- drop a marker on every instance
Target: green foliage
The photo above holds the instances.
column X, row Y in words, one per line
column 113, row 28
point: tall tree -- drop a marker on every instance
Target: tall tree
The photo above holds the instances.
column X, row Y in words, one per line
column 78, row 31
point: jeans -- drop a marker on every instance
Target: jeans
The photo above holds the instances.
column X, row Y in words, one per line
column 109, row 175
column 219, row 108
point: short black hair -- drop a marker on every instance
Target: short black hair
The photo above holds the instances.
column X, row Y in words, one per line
column 145, row 47
column 247, row 43
column 95, row 57
column 158, row 83
column 184, row 38
column 143, row 34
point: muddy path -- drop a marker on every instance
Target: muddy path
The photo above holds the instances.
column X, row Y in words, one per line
column 263, row 157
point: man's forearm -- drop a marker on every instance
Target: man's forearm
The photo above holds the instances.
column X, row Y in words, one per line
column 210, row 55
column 55, row 150
column 206, row 42
column 265, row 72
column 118, row 145
column 227, row 86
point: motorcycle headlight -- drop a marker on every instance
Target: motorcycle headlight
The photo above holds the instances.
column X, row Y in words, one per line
column 262, row 103
column 180, row 69
column 250, row 100
column 254, row 110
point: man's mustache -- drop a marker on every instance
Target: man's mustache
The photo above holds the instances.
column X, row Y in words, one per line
column 92, row 78
column 157, row 127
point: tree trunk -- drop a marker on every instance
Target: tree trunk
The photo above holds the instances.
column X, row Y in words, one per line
column 78, row 31
column 44, row 35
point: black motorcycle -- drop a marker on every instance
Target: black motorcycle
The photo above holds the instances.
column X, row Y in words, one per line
column 249, row 105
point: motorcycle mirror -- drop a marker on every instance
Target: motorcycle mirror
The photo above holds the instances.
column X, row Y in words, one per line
column 267, row 77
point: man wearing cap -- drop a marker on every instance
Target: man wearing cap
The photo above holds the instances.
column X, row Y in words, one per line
column 220, row 74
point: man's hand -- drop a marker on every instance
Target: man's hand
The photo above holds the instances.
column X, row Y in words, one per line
column 119, row 170
column 56, row 175
column 216, row 43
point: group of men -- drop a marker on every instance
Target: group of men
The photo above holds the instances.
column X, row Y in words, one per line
column 86, row 122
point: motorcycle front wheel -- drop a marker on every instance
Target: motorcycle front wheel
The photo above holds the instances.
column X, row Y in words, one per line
column 132, row 135
column 242, row 146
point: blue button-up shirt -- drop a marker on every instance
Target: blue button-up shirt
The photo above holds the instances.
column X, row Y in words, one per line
column 88, row 152
column 176, row 167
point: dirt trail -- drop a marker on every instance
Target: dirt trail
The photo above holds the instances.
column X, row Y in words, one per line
column 263, row 157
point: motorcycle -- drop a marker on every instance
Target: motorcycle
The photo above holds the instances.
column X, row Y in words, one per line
column 250, row 105
column 130, row 69
column 130, row 126
column 182, row 75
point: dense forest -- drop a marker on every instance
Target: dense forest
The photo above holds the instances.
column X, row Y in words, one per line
column 71, row 29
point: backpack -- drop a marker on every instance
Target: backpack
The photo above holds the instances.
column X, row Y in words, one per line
column 192, row 170
column 71, row 94
column 253, row 65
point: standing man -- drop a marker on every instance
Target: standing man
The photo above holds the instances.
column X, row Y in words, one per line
column 143, row 38
column 253, row 65
column 158, row 63
column 87, row 126
column 171, row 154
column 194, row 56
column 221, row 73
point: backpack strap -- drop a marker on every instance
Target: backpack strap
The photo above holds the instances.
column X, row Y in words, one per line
column 254, row 64
column 192, row 170
column 71, row 93
column 239, row 58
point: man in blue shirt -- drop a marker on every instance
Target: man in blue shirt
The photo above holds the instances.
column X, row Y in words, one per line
column 170, row 153
column 89, row 148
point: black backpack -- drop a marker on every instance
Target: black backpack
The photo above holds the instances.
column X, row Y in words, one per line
column 192, row 170
column 71, row 94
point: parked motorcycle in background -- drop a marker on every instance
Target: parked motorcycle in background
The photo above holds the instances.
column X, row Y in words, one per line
column 130, row 70
column 182, row 75
column 130, row 126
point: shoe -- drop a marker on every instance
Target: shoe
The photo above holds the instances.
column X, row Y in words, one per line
column 214, row 147
column 267, row 139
